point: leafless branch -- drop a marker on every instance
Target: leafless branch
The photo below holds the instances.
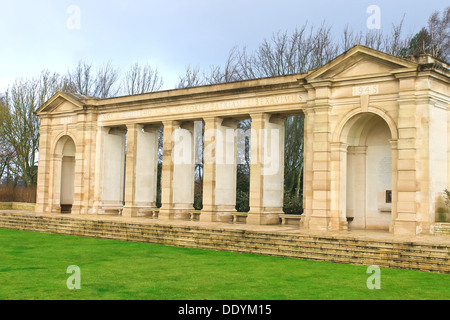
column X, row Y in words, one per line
column 142, row 80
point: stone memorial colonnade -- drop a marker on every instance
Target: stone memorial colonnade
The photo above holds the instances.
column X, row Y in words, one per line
column 376, row 137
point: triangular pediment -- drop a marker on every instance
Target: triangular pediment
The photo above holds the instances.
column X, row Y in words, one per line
column 359, row 62
column 61, row 103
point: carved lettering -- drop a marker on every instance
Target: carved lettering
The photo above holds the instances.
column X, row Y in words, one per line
column 203, row 107
column 360, row 90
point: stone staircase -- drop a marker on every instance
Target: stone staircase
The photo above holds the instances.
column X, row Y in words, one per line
column 433, row 256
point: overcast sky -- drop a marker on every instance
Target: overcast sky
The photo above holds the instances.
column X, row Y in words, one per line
column 170, row 34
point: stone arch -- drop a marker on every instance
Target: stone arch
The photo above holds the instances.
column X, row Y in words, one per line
column 63, row 173
column 342, row 128
column 366, row 175
column 60, row 140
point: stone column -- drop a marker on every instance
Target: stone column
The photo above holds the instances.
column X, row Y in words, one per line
column 394, row 183
column 147, row 168
column 266, row 170
column 55, row 188
column 339, row 186
column 183, row 171
column 86, row 139
column 307, row 167
column 98, row 169
column 226, row 167
column 273, row 168
column 166, row 211
column 407, row 186
column 177, row 182
column 141, row 170
column 113, row 167
column 357, row 185
column 209, row 169
column 43, row 180
column 320, row 206
column 219, row 174
column 129, row 208
column 255, row 215
column 79, row 169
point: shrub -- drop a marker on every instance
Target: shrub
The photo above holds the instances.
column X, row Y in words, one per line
column 292, row 204
column 442, row 209
column 242, row 201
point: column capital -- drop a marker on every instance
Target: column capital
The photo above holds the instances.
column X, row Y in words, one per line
column 151, row 127
column 259, row 116
column 187, row 125
column 134, row 126
column 173, row 123
column 394, row 143
column 357, row 149
column 338, row 146
column 210, row 118
column 119, row 130
column 277, row 118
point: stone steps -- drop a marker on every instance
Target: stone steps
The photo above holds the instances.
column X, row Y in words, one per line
column 408, row 255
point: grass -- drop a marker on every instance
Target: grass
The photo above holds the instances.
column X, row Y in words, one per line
column 33, row 266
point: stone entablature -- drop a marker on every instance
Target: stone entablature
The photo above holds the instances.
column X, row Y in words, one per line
column 377, row 146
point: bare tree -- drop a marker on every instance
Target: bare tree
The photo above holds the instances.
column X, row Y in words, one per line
column 6, row 152
column 276, row 56
column 323, row 47
column 19, row 126
column 374, row 39
column 141, row 80
column 349, row 38
column 246, row 64
column 393, row 42
column 439, row 31
column 433, row 39
column 286, row 53
column 105, row 82
column 229, row 73
column 102, row 84
column 82, row 79
column 191, row 78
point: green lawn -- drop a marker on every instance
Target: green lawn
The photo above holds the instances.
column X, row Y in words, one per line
column 33, row 266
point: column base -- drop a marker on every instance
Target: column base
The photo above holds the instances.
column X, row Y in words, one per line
column 41, row 208
column 165, row 214
column 223, row 213
column 217, row 216
column 263, row 218
column 175, row 213
column 318, row 223
column 113, row 207
column 138, row 211
column 182, row 214
column 55, row 209
column 404, row 227
column 76, row 210
column 206, row 216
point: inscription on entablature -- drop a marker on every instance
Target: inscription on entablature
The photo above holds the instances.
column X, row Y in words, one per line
column 205, row 107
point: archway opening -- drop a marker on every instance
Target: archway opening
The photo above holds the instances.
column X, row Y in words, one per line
column 67, row 176
column 368, row 177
